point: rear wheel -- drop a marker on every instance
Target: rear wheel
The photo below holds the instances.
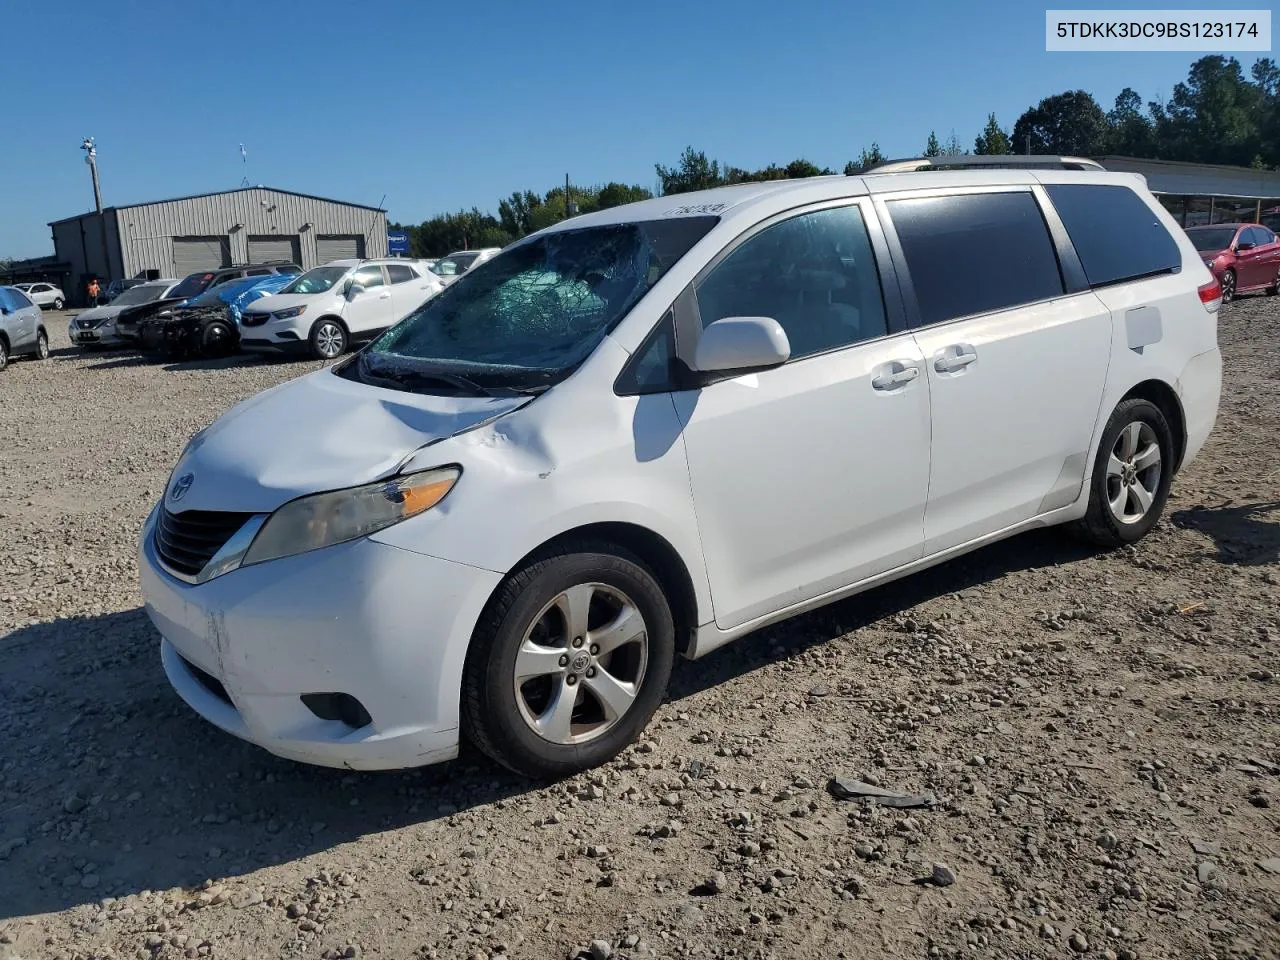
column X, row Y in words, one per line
column 1131, row 476
column 1228, row 286
column 4, row 354
column 568, row 662
column 58, row 303
column 328, row 339
column 1275, row 285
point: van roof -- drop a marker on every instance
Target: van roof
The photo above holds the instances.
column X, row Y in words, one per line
column 729, row 202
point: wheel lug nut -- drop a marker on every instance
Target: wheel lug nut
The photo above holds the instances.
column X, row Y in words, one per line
column 595, row 648
column 591, row 671
column 577, row 641
column 571, row 679
column 564, row 660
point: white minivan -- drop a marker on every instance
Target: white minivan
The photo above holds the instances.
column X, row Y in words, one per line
column 327, row 308
column 648, row 430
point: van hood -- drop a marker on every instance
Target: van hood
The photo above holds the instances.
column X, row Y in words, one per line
column 319, row 432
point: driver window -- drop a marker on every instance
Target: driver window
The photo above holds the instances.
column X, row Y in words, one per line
column 815, row 274
column 369, row 277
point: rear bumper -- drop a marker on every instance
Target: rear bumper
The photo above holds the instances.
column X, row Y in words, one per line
column 1199, row 389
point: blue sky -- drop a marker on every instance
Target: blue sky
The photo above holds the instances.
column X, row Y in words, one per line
column 442, row 106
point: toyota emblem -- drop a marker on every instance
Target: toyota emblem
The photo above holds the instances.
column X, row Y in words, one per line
column 181, row 486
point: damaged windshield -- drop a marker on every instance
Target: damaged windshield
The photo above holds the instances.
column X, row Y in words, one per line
column 528, row 317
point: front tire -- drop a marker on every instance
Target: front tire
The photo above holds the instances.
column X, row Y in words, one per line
column 328, row 339
column 42, row 346
column 217, row 340
column 1131, row 476
column 568, row 662
column 4, row 354
column 1228, row 286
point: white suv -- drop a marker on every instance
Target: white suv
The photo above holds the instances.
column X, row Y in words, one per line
column 459, row 262
column 649, row 430
column 327, row 308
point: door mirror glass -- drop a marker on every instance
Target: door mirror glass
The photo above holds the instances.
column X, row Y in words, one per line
column 353, row 289
column 1245, row 245
column 742, row 344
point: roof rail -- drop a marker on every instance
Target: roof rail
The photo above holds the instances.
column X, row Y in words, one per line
column 990, row 161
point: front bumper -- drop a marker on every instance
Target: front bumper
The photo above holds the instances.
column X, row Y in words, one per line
column 384, row 625
column 95, row 337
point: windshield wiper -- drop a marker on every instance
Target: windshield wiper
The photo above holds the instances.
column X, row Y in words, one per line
column 400, row 379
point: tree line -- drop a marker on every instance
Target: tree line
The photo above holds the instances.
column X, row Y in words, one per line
column 1220, row 114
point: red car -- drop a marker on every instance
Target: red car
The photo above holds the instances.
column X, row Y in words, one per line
column 1245, row 257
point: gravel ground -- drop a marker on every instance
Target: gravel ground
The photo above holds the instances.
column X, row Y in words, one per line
column 1100, row 732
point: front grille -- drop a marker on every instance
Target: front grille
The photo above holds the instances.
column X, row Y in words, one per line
column 187, row 541
column 85, row 324
column 254, row 319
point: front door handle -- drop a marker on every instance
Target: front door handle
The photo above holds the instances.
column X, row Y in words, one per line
column 955, row 357
column 384, row 296
column 894, row 374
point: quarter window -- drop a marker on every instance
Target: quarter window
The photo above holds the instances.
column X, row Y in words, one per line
column 400, row 273
column 1116, row 235
column 976, row 253
column 815, row 274
column 369, row 277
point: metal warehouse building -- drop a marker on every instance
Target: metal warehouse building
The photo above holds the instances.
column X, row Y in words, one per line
column 187, row 234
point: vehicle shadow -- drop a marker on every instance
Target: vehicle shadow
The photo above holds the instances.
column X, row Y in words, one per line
column 110, row 785
column 1247, row 534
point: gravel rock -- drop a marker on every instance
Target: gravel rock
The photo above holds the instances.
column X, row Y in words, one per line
column 1024, row 687
column 600, row 950
column 942, row 875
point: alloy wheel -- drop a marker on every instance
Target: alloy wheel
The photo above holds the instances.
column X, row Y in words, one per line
column 1133, row 472
column 329, row 340
column 1228, row 286
column 581, row 663
column 42, row 347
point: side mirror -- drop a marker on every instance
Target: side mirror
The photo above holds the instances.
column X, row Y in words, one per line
column 354, row 289
column 1245, row 245
column 742, row 345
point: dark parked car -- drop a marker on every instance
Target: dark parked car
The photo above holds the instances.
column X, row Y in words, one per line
column 209, row 325
column 128, row 325
column 1245, row 257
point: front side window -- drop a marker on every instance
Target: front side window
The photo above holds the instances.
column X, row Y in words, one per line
column 530, row 317
column 19, row 300
column 317, row 280
column 369, row 277
column 815, row 274
column 400, row 273
column 1263, row 236
column 976, row 253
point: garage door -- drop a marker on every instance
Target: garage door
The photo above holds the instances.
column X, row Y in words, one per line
column 266, row 249
column 336, row 247
column 193, row 254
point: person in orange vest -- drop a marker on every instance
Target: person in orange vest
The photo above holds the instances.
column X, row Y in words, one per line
column 94, row 291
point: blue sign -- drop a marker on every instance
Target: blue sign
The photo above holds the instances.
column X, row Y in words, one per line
column 397, row 243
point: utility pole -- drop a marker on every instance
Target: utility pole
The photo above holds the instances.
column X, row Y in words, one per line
column 91, row 158
column 1028, row 144
column 568, row 204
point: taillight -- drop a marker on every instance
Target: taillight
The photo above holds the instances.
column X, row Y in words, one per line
column 1211, row 295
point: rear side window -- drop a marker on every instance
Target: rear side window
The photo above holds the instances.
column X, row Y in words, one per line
column 400, row 273
column 1116, row 235
column 976, row 253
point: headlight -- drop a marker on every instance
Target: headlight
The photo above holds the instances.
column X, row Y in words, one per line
column 324, row 519
column 290, row 313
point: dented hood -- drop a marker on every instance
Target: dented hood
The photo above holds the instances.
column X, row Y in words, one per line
column 319, row 432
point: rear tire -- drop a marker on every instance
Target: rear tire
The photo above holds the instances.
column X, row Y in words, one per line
column 568, row 662
column 4, row 354
column 58, row 304
column 1275, row 286
column 328, row 339
column 1131, row 476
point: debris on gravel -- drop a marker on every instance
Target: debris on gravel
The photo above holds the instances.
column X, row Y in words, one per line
column 1099, row 732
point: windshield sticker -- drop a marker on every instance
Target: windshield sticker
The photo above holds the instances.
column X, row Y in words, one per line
column 695, row 208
